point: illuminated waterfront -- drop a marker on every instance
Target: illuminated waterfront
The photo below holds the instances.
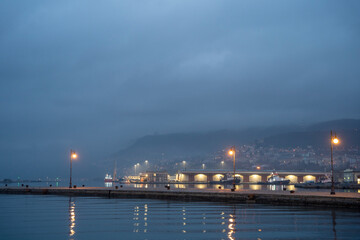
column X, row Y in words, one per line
column 54, row 217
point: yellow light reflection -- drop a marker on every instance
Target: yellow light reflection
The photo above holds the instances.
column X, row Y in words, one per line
column 255, row 187
column 136, row 219
column 291, row 187
column 145, row 217
column 231, row 227
column 71, row 218
column 200, row 186
column 184, row 219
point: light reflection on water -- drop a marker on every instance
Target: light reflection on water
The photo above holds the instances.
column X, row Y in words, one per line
column 71, row 218
column 54, row 217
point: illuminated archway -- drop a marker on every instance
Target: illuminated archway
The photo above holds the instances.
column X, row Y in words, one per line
column 200, row 178
column 240, row 176
column 308, row 178
column 218, row 177
column 292, row 178
column 255, row 178
column 183, row 177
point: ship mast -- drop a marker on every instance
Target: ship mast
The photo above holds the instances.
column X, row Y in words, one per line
column 114, row 175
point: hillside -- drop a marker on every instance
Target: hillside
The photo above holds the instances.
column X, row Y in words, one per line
column 196, row 145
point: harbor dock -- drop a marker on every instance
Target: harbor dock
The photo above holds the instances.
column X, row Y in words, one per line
column 321, row 199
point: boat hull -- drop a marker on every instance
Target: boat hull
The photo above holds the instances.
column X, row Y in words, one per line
column 230, row 181
column 285, row 182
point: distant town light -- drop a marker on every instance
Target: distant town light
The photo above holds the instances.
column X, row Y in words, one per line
column 258, row 167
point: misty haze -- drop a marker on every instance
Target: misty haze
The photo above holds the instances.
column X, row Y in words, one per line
column 168, row 81
column 179, row 119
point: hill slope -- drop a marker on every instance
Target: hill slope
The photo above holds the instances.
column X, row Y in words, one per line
column 184, row 145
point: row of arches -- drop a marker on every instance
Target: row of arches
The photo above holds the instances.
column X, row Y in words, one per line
column 251, row 178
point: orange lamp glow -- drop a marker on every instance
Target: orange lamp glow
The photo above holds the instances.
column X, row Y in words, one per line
column 74, row 156
column 336, row 140
column 258, row 167
column 231, row 152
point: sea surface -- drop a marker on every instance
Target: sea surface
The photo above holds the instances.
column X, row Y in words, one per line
column 30, row 217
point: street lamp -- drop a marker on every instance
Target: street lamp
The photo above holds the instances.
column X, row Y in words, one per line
column 334, row 140
column 203, row 166
column 222, row 164
column 184, row 163
column 232, row 152
column 146, row 164
column 73, row 155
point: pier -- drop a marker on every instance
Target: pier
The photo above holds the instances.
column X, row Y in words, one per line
column 320, row 199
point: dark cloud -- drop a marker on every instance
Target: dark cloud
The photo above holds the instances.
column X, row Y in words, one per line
column 93, row 75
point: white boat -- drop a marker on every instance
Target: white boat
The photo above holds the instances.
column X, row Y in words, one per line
column 108, row 178
column 275, row 179
column 228, row 180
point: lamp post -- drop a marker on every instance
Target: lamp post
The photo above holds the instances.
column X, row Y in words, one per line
column 232, row 152
column 222, row 164
column 203, row 166
column 333, row 140
column 146, row 164
column 73, row 155
column 184, row 163
column 136, row 166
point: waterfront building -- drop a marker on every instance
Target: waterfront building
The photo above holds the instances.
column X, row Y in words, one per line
column 205, row 176
column 352, row 176
column 154, row 177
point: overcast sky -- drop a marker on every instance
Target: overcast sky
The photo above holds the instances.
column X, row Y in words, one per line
column 94, row 75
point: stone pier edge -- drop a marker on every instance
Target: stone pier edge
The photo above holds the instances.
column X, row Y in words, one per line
column 225, row 196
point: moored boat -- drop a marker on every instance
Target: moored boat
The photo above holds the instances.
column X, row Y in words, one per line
column 228, row 180
column 275, row 179
column 108, row 178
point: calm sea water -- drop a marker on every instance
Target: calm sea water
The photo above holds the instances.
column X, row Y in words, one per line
column 59, row 217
